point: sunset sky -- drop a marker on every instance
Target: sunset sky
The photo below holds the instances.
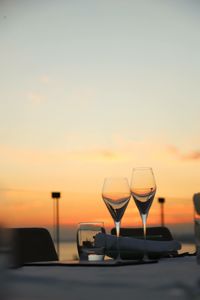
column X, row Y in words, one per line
column 91, row 89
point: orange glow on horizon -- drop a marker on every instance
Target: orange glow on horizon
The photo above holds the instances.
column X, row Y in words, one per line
column 36, row 209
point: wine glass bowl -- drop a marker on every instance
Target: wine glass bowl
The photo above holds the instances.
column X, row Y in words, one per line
column 116, row 204
column 143, row 199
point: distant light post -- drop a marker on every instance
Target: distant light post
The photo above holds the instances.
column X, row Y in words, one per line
column 162, row 201
column 56, row 196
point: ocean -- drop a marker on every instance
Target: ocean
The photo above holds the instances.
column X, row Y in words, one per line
column 68, row 250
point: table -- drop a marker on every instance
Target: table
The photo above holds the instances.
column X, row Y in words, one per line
column 173, row 278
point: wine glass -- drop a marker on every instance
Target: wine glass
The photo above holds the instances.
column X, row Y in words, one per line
column 116, row 195
column 143, row 189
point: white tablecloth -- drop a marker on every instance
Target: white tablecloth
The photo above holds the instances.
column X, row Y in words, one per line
column 174, row 278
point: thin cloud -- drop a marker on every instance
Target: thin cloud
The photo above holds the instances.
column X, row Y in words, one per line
column 96, row 155
column 194, row 155
column 44, row 79
column 36, row 98
column 190, row 156
column 20, row 155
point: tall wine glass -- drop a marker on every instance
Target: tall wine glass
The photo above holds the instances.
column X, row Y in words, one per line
column 116, row 195
column 143, row 189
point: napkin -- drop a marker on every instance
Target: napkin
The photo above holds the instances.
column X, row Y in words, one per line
column 130, row 246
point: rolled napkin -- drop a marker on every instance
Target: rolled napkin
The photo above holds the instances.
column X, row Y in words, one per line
column 133, row 247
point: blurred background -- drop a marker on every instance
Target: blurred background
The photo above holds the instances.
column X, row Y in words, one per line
column 91, row 89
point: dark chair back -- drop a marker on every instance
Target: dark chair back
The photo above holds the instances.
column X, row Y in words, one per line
column 153, row 233
column 32, row 245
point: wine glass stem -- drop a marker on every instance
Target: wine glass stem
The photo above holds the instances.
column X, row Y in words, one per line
column 117, row 225
column 144, row 222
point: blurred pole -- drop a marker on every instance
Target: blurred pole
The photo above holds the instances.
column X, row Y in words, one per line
column 162, row 201
column 56, row 197
column 54, row 220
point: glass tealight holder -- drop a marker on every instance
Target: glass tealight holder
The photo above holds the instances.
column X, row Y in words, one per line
column 86, row 247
